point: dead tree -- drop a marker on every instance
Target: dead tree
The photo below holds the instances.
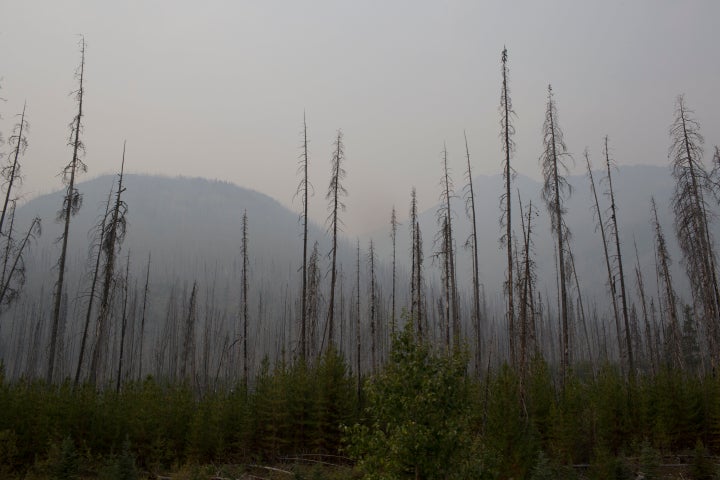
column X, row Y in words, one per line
column 303, row 190
column 393, row 236
column 615, row 232
column 371, row 259
column 142, row 318
column 93, row 285
column 472, row 242
column 9, row 241
column 526, row 283
column 643, row 303
column 611, row 278
column 506, row 132
column 358, row 338
column 417, row 259
column 413, row 228
column 71, row 205
column 15, row 278
column 555, row 191
column 665, row 278
column 314, row 298
column 444, row 216
column 692, row 186
column 123, row 322
column 187, row 364
column 115, row 229
column 11, row 172
column 335, row 192
column 245, row 298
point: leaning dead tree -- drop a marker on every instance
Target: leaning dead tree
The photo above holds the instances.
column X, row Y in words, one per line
column 93, row 283
column 14, row 279
column 692, row 187
column 611, row 279
column 71, row 205
column 663, row 260
column 335, row 192
column 472, row 242
column 615, row 233
column 506, row 132
column 555, row 192
column 115, row 228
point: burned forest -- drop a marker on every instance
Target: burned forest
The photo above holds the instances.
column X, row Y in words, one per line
column 558, row 325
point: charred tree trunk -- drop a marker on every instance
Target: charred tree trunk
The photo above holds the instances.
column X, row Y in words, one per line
column 473, row 242
column 616, row 233
column 71, row 205
column 93, row 286
column 123, row 328
column 142, row 318
column 11, row 173
column 114, row 235
column 506, row 132
column 553, row 191
column 335, row 191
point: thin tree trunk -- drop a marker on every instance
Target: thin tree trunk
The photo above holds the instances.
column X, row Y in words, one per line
column 71, row 205
column 93, row 285
column 142, row 319
column 616, row 231
column 124, row 323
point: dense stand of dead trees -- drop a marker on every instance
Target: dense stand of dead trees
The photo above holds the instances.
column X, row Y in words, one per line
column 530, row 325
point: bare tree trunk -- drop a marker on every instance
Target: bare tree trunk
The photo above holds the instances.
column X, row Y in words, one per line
column 474, row 248
column 357, row 325
column 393, row 236
column 126, row 288
column 93, row 285
column 616, row 233
column 335, row 191
column 552, row 195
column 114, row 235
column 373, row 326
column 12, row 172
column 71, row 204
column 643, row 303
column 187, row 365
column 303, row 189
column 142, row 319
column 245, row 298
column 507, row 130
column 670, row 298
column 611, row 281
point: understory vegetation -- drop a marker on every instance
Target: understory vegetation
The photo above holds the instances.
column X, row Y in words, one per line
column 422, row 416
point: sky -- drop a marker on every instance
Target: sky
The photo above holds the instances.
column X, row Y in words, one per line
column 218, row 88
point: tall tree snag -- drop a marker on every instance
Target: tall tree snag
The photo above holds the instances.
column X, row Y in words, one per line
column 71, row 204
column 506, row 132
column 692, row 186
column 555, row 191
column 614, row 231
column 335, row 192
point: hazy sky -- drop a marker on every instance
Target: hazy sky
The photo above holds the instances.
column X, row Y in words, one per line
column 218, row 88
